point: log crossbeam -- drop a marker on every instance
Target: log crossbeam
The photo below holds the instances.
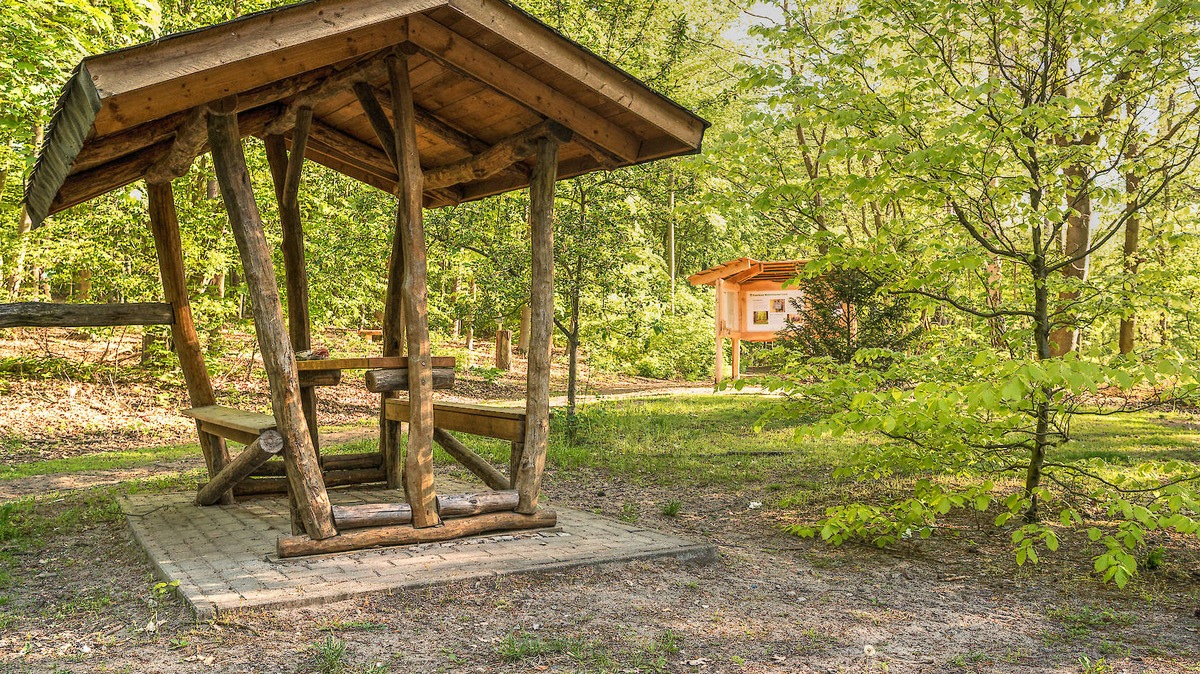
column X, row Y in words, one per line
column 496, row 158
column 50, row 315
column 266, row 446
column 330, row 85
column 473, row 462
column 403, row 534
column 449, row 506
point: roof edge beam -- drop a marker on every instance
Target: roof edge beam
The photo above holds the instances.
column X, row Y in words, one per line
column 87, row 185
column 363, row 71
column 743, row 276
column 724, row 271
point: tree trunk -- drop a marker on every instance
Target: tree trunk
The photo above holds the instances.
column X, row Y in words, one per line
column 1133, row 224
column 671, row 266
column 24, row 226
column 523, row 329
column 85, row 285
column 994, row 299
column 1042, row 411
column 471, row 319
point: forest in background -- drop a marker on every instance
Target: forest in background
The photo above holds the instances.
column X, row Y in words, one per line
column 780, row 177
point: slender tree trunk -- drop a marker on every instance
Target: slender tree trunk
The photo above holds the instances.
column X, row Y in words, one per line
column 1064, row 338
column 471, row 319
column 85, row 285
column 994, row 299
column 671, row 266
column 24, row 226
column 573, row 357
column 1133, row 224
column 523, row 331
column 1042, row 411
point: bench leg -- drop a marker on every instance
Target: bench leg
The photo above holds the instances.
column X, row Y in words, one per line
column 514, row 463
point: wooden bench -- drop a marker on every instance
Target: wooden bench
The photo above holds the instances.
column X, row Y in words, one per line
column 268, row 477
column 504, row 423
column 230, row 423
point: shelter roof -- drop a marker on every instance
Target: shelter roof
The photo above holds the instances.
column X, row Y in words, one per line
column 745, row 270
column 482, row 71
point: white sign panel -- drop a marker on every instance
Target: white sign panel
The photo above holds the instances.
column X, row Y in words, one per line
column 768, row 310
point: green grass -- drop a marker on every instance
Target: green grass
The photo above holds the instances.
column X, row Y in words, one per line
column 705, row 441
column 128, row 458
column 1126, row 439
column 134, row 458
column 694, row 440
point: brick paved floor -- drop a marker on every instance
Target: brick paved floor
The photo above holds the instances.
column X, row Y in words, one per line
column 224, row 556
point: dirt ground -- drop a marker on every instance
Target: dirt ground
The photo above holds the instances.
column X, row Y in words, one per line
column 49, row 410
column 85, row 601
column 771, row 603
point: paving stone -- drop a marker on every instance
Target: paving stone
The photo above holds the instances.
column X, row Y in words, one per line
column 224, row 557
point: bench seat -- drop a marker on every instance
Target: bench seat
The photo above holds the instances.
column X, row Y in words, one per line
column 505, row 423
column 231, row 423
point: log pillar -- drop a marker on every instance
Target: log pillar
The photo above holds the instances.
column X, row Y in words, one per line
column 719, row 360
column 735, row 364
column 528, row 480
column 164, row 226
column 303, row 468
column 393, row 345
column 285, row 174
column 418, row 461
column 504, row 350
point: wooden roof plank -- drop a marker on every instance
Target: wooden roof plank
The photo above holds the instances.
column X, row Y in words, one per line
column 721, row 271
column 599, row 75
column 440, row 43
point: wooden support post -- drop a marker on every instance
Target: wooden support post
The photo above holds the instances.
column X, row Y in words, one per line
column 503, row 350
column 286, row 170
column 393, row 308
column 719, row 359
column 254, row 455
column 304, row 470
column 418, row 460
column 735, row 364
column 164, row 226
column 528, row 480
column 514, row 462
column 473, row 462
column 296, row 546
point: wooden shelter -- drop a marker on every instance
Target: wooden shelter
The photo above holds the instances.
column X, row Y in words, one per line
column 752, row 304
column 435, row 101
